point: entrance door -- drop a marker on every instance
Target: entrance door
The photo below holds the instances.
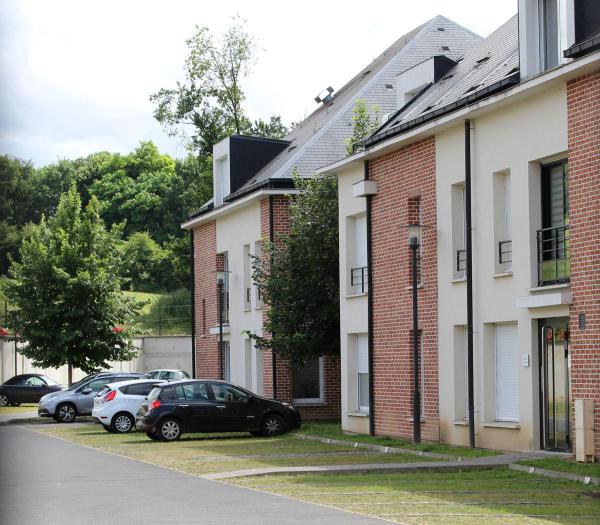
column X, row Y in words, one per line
column 554, row 380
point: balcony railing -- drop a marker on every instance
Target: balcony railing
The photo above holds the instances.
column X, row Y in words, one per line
column 461, row 261
column 359, row 279
column 553, row 255
column 505, row 254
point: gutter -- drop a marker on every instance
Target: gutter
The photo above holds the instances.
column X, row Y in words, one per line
column 370, row 309
column 193, row 294
column 273, row 356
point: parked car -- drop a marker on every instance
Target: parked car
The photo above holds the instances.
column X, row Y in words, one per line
column 211, row 406
column 117, row 404
column 78, row 400
column 27, row 388
column 167, row 374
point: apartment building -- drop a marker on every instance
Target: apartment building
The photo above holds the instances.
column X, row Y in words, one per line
column 252, row 187
column 516, row 116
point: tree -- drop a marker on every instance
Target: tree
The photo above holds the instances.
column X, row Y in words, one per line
column 66, row 290
column 210, row 99
column 142, row 263
column 298, row 277
column 363, row 124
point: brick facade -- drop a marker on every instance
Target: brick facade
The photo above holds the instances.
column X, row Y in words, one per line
column 583, row 105
column 406, row 190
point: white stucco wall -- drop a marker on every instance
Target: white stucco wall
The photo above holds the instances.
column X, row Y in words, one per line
column 235, row 230
column 353, row 307
column 516, row 138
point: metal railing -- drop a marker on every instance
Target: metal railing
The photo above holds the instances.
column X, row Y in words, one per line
column 461, row 260
column 505, row 254
column 168, row 320
column 359, row 279
column 553, row 255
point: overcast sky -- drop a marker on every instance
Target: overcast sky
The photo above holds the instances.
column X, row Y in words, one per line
column 76, row 75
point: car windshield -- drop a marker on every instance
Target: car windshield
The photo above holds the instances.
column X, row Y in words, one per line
column 154, row 393
column 49, row 381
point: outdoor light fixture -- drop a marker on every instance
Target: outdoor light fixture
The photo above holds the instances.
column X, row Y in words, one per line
column 414, row 234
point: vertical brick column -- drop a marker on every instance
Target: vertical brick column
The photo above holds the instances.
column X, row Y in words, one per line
column 583, row 106
column 206, row 300
column 406, row 187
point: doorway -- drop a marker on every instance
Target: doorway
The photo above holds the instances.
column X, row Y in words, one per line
column 554, row 384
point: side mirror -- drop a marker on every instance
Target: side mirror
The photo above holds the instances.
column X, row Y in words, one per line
column 86, row 391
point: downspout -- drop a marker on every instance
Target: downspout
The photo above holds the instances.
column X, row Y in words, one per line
column 370, row 309
column 469, row 248
column 272, row 240
column 193, row 294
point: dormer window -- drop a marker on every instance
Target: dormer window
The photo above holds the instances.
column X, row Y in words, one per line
column 549, row 34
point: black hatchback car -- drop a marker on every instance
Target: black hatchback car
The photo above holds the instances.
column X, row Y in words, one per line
column 212, row 406
column 27, row 388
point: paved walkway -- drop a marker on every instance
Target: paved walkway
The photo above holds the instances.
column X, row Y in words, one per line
column 50, row 481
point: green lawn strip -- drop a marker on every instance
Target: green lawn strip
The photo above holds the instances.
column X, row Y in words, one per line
column 564, row 465
column 333, row 430
column 205, row 454
column 29, row 407
column 498, row 496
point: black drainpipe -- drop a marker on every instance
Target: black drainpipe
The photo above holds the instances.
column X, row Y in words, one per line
column 193, row 294
column 273, row 356
column 370, row 309
column 469, row 248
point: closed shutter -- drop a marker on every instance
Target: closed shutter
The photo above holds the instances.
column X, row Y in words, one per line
column 362, row 352
column 507, row 373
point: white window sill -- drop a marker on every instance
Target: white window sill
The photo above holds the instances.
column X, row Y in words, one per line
column 502, row 274
column 502, row 424
column 309, row 402
column 419, row 287
column 550, row 287
column 461, row 422
column 459, row 280
column 215, row 329
column 357, row 414
column 258, row 307
column 353, row 295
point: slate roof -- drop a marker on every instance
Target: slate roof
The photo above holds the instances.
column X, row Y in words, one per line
column 320, row 138
column 483, row 67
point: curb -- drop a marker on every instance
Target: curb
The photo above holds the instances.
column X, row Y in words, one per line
column 378, row 448
column 586, row 480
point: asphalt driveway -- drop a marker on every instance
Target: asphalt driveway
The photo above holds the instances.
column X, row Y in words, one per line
column 50, row 481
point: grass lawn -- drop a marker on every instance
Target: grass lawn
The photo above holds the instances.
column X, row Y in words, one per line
column 333, row 430
column 493, row 497
column 144, row 296
column 565, row 465
column 207, row 453
column 26, row 407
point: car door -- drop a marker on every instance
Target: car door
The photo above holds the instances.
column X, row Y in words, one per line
column 34, row 389
column 232, row 407
column 16, row 388
column 203, row 415
column 86, row 393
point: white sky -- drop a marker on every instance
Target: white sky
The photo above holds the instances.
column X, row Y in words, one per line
column 76, row 75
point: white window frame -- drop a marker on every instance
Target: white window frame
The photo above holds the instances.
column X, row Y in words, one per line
column 360, row 408
column 258, row 302
column 321, row 398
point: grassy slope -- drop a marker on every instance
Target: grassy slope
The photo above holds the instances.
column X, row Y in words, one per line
column 334, row 430
column 145, row 296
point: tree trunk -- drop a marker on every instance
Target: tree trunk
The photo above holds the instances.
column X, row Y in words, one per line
column 70, row 374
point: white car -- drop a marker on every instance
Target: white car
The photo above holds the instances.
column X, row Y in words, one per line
column 117, row 404
column 168, row 374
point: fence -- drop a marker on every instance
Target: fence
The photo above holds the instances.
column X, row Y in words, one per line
column 167, row 320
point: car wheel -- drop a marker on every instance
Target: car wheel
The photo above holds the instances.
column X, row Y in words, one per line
column 107, row 428
column 66, row 413
column 4, row 400
column 170, row 430
column 273, row 425
column 152, row 436
column 122, row 423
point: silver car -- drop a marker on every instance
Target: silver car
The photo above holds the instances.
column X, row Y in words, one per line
column 78, row 400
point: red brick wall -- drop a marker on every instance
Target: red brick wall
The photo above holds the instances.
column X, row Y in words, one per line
column 206, row 300
column 583, row 105
column 404, row 177
column 331, row 408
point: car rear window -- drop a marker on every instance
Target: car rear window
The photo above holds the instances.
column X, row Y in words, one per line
column 137, row 389
column 155, row 393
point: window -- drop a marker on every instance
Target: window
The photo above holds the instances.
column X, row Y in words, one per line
column 228, row 393
column 139, row 389
column 358, row 270
column 247, row 261
column 549, row 33
column 307, row 382
column 226, row 350
column 223, row 261
column 507, row 373
column 587, row 19
column 248, row 363
column 258, row 371
column 167, row 375
column 459, row 237
column 49, row 381
column 34, row 381
column 258, row 254
column 502, row 222
column 222, row 182
column 97, row 385
column 362, row 370
column 195, row 391
column 461, row 398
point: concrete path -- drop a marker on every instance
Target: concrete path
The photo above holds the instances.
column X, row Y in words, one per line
column 48, row 480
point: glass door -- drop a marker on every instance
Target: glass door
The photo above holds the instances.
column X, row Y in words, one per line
column 554, row 375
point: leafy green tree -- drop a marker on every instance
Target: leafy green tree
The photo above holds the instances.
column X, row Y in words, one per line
column 298, row 277
column 363, row 123
column 211, row 96
column 142, row 263
column 67, row 291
